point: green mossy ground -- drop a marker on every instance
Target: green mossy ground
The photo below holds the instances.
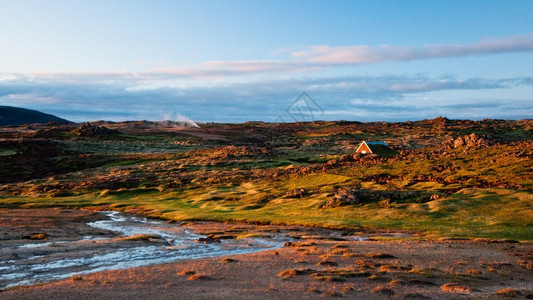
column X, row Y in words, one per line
column 245, row 172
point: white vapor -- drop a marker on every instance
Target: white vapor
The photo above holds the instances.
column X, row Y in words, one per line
column 178, row 120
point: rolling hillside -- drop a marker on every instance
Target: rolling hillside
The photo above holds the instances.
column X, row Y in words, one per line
column 19, row 116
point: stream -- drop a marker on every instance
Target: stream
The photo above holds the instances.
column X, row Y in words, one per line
column 38, row 262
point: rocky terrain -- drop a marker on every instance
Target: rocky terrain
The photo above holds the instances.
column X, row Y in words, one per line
column 444, row 171
column 447, row 216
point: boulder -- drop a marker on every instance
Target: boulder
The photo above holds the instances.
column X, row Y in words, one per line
column 435, row 197
column 439, row 121
column 342, row 197
column 207, row 240
column 469, row 141
column 296, row 193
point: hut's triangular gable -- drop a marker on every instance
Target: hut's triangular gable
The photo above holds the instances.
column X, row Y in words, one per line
column 374, row 147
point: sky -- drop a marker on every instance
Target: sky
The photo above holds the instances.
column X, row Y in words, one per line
column 273, row 61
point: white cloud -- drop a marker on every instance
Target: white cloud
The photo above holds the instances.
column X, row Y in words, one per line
column 30, row 98
column 371, row 55
column 259, row 89
column 320, row 57
column 309, row 59
column 121, row 96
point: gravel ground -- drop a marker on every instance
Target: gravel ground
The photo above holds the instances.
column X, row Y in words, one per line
column 318, row 263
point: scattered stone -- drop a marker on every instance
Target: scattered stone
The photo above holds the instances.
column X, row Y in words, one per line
column 207, row 240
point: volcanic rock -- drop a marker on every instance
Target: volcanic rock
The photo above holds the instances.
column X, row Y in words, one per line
column 342, row 197
column 207, row 240
column 470, row 141
column 88, row 129
column 296, row 193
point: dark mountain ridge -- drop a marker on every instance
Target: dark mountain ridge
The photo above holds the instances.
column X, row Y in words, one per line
column 10, row 115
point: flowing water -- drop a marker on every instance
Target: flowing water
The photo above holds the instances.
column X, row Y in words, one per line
column 37, row 262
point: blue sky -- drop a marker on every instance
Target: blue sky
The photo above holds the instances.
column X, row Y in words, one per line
column 235, row 61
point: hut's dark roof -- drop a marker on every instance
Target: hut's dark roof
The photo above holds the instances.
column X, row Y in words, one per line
column 380, row 148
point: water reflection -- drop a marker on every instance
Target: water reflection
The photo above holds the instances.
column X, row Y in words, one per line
column 46, row 261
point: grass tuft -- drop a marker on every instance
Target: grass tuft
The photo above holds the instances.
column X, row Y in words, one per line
column 198, row 277
column 455, row 288
column 507, row 292
column 186, row 273
column 383, row 290
column 76, row 278
column 379, row 255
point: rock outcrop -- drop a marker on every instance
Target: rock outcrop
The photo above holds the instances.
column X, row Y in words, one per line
column 342, row 197
column 88, row 129
column 297, row 193
column 351, row 196
column 470, row 141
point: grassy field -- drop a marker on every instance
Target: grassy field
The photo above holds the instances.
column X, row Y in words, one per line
column 267, row 173
column 487, row 213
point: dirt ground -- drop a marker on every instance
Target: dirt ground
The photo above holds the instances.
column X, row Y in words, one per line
column 318, row 263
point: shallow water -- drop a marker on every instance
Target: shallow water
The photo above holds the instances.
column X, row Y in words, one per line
column 47, row 261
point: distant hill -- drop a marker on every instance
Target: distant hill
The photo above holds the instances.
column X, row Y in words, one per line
column 19, row 116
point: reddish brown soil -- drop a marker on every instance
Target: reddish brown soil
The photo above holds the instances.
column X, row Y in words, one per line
column 352, row 269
